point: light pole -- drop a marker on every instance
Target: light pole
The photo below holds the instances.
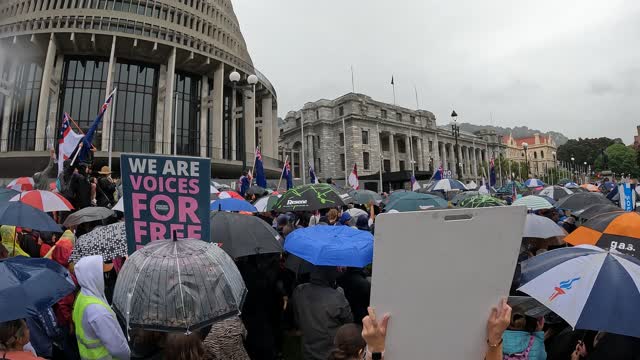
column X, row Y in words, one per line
column 585, row 173
column 573, row 167
column 525, row 146
column 252, row 80
column 554, row 168
column 455, row 130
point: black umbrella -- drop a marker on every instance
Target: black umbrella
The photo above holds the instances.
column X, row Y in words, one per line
column 181, row 285
column 595, row 210
column 578, row 201
column 257, row 191
column 310, row 197
column 243, row 235
column 88, row 214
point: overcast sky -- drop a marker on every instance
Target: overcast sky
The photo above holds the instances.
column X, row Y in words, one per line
column 567, row 65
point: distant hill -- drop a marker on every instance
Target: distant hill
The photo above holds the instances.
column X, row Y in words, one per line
column 517, row 132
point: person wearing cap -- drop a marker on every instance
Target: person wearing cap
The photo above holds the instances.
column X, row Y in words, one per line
column 106, row 188
column 345, row 219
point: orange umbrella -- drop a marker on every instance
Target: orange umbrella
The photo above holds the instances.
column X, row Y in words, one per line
column 613, row 230
column 590, row 187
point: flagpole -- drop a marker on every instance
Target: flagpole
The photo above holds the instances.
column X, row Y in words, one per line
column 111, row 126
column 500, row 167
column 393, row 85
column 413, row 167
column 77, row 152
column 76, row 124
column 253, row 168
column 380, row 162
column 175, row 126
column 353, row 83
column 304, row 178
column 282, row 172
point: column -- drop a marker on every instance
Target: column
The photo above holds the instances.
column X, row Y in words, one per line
column 275, row 131
column 445, row 162
column 459, row 158
column 8, row 100
column 475, row 164
column 218, row 110
column 310, row 157
column 204, row 109
column 234, row 124
column 392, row 148
column 420, row 157
column 467, row 161
column 268, row 141
column 43, row 101
column 291, row 164
column 167, row 126
column 106, row 120
column 249, row 124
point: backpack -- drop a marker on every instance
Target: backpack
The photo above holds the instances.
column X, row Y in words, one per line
column 522, row 355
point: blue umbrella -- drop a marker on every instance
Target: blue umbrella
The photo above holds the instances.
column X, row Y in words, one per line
column 533, row 183
column 16, row 213
column 6, row 194
column 29, row 286
column 590, row 288
column 324, row 245
column 231, row 204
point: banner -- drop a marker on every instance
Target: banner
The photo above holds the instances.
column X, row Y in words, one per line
column 163, row 196
column 627, row 193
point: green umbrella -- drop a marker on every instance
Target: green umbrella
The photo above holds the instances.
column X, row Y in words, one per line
column 463, row 196
column 311, row 197
column 479, row 201
column 396, row 194
column 413, row 201
column 365, row 196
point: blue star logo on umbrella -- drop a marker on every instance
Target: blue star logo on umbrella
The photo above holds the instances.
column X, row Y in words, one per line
column 560, row 290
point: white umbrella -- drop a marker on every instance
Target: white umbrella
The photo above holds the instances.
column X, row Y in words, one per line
column 119, row 206
column 541, row 227
column 355, row 212
column 472, row 185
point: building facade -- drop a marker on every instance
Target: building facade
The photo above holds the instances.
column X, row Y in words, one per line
column 541, row 152
column 170, row 61
column 378, row 135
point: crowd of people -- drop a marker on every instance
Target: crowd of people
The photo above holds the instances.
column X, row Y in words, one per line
column 326, row 308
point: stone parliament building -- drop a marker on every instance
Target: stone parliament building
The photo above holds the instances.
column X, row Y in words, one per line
column 379, row 135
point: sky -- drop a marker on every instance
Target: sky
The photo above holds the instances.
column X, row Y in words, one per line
column 571, row 66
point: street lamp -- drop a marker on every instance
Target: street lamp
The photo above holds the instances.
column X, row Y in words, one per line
column 573, row 165
column 455, row 130
column 252, row 80
column 555, row 166
column 525, row 146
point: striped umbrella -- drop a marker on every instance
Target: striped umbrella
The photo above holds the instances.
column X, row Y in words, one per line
column 447, row 185
column 480, row 201
column 533, row 203
column 46, row 201
column 22, row 184
column 533, row 183
column 615, row 230
column 266, row 203
column 226, row 195
column 590, row 288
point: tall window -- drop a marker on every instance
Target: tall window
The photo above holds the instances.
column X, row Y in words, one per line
column 430, row 146
column 187, row 113
column 341, row 111
column 401, row 165
column 341, row 139
column 24, row 109
column 365, row 161
column 318, row 166
column 84, row 91
column 365, row 137
column 342, row 164
column 387, row 165
column 384, row 143
column 541, row 154
column 535, row 155
column 383, row 113
column 401, row 146
column 412, row 119
column 398, row 116
column 135, row 104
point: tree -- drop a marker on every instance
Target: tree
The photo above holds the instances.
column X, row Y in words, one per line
column 620, row 160
column 584, row 149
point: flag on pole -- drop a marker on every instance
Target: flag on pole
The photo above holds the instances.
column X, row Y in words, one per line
column 286, row 173
column 392, row 82
column 313, row 179
column 438, row 174
column 88, row 137
column 261, row 179
column 415, row 185
column 492, row 172
column 353, row 178
column 67, row 142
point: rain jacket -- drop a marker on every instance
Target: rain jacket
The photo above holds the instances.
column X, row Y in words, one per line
column 41, row 179
column 517, row 342
column 320, row 310
column 8, row 234
column 98, row 322
column 67, row 240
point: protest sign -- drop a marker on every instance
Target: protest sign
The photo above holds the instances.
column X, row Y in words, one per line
column 627, row 193
column 163, row 196
column 439, row 273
